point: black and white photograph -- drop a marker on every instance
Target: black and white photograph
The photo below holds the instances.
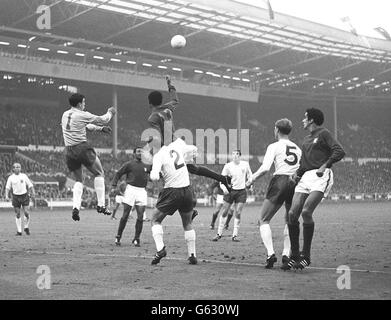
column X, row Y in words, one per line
column 193, row 156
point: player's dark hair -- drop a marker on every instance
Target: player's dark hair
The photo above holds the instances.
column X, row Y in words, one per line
column 316, row 115
column 238, row 151
column 155, row 98
column 135, row 149
column 284, row 126
column 75, row 99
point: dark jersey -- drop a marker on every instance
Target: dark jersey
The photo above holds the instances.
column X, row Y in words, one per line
column 162, row 119
column 318, row 148
column 136, row 174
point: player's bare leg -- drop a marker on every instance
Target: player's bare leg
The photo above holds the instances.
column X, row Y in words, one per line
column 310, row 204
column 99, row 185
column 139, row 225
column 222, row 220
column 190, row 236
column 115, row 211
column 231, row 212
column 26, row 221
column 294, row 229
column 157, row 233
column 286, row 252
column 18, row 221
column 122, row 223
column 77, row 193
column 268, row 210
column 215, row 215
column 238, row 212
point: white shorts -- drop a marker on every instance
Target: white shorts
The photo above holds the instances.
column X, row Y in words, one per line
column 219, row 199
column 135, row 196
column 311, row 182
column 119, row 199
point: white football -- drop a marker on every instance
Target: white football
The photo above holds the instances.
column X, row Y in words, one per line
column 178, row 41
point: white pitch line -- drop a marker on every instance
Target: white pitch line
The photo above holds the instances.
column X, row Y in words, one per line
column 204, row 260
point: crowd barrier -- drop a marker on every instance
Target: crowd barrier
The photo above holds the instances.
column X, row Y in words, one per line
column 67, row 203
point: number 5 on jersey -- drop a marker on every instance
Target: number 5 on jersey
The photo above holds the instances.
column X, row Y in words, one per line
column 290, row 153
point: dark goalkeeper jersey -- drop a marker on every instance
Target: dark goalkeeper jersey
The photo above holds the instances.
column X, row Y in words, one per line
column 318, row 148
column 162, row 119
column 136, row 174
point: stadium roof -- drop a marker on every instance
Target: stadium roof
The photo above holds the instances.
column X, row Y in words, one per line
column 225, row 39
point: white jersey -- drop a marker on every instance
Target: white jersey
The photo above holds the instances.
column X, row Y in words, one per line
column 286, row 157
column 170, row 161
column 74, row 123
column 239, row 173
column 18, row 183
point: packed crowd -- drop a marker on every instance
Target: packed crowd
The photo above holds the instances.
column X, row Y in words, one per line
column 24, row 126
column 349, row 177
column 363, row 135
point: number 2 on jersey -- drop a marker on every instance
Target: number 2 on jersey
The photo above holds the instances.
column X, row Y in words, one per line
column 290, row 153
column 69, row 121
column 177, row 166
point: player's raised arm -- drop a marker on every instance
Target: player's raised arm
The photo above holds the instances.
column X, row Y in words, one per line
column 174, row 100
column 93, row 127
column 101, row 120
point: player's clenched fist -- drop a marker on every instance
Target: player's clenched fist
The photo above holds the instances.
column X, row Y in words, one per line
column 112, row 110
column 106, row 129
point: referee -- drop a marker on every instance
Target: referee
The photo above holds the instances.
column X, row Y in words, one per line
column 21, row 189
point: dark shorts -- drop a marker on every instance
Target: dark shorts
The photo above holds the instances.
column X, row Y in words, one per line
column 80, row 154
column 237, row 196
column 20, row 200
column 173, row 199
column 280, row 190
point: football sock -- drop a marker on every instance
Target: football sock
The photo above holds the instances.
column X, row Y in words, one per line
column 236, row 227
column 157, row 233
column 26, row 221
column 190, row 238
column 121, row 226
column 205, row 172
column 294, row 234
column 229, row 217
column 138, row 228
column 214, row 217
column 18, row 224
column 99, row 186
column 77, row 193
column 266, row 235
column 287, row 242
column 308, row 233
column 222, row 221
